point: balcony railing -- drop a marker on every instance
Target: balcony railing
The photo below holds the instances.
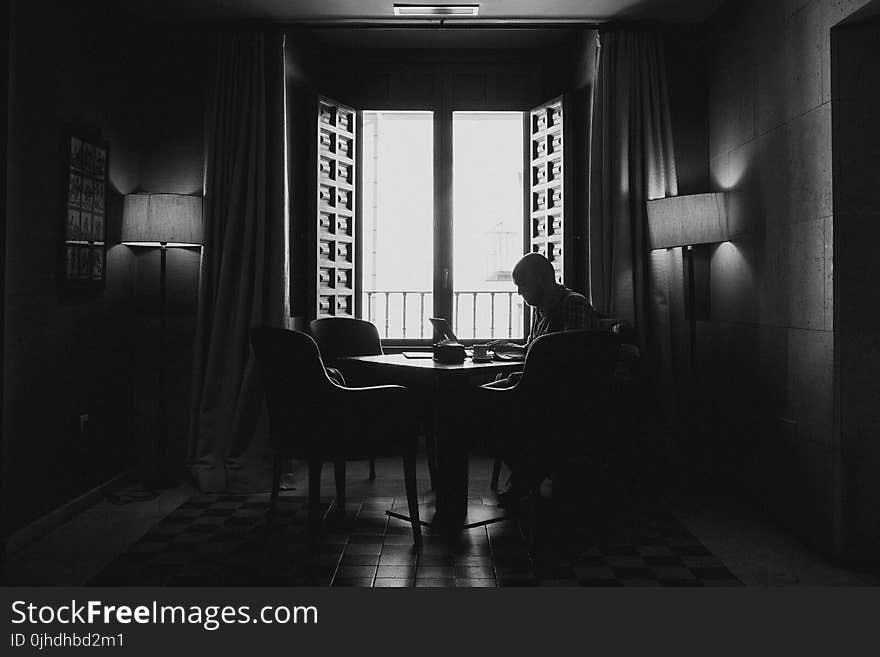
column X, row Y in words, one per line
column 476, row 313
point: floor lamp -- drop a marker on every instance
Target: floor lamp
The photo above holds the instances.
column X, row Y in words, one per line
column 687, row 221
column 162, row 221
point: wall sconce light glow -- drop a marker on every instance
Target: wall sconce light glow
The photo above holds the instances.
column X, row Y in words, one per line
column 726, row 253
column 728, row 177
column 732, row 269
column 435, row 11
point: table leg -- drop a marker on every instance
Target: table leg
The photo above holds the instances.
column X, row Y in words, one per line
column 448, row 395
column 452, row 457
column 431, row 444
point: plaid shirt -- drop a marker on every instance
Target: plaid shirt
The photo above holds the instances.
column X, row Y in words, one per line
column 568, row 311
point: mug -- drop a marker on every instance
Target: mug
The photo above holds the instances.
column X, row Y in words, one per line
column 481, row 352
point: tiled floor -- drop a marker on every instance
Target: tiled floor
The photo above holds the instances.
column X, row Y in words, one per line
column 704, row 546
column 224, row 540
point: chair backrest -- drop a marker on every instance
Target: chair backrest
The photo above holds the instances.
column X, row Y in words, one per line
column 341, row 337
column 570, row 368
column 620, row 327
column 295, row 383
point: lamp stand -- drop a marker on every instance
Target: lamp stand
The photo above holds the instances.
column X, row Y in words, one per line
column 166, row 220
column 701, row 457
column 159, row 476
column 691, row 308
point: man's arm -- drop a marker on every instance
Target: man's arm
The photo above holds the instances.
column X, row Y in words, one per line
column 505, row 347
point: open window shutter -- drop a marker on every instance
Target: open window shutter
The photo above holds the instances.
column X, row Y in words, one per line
column 547, row 171
column 336, row 189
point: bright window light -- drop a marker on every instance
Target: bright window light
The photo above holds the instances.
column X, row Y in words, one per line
column 398, row 221
column 488, row 223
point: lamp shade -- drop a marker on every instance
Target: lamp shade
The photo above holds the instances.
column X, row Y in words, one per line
column 152, row 219
column 687, row 220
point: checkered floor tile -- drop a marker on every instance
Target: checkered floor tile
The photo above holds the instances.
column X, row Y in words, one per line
column 223, row 540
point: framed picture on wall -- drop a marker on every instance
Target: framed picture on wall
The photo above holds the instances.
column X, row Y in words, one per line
column 83, row 253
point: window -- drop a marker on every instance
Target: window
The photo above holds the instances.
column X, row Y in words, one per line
column 430, row 214
column 397, row 222
column 487, row 223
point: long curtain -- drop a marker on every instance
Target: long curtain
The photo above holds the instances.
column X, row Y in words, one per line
column 244, row 275
column 631, row 161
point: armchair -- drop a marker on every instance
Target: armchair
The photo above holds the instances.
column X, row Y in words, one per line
column 315, row 419
column 556, row 414
column 342, row 337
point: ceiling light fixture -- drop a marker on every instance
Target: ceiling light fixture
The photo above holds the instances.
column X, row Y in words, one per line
column 434, row 11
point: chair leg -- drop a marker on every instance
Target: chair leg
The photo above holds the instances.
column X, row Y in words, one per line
column 412, row 497
column 534, row 497
column 431, row 453
column 496, row 472
column 339, row 474
column 314, row 496
column 372, row 469
column 277, row 467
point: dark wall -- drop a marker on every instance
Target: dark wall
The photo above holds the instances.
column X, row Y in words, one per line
column 766, row 353
column 686, row 50
column 856, row 136
column 421, row 79
column 64, row 355
column 67, row 355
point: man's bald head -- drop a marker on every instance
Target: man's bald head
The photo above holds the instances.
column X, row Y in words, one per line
column 534, row 264
column 535, row 279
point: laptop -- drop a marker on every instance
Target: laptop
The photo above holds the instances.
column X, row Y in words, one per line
column 442, row 327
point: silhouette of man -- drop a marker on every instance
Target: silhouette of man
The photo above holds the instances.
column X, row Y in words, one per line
column 555, row 307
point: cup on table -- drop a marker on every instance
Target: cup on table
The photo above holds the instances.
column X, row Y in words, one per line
column 481, row 352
